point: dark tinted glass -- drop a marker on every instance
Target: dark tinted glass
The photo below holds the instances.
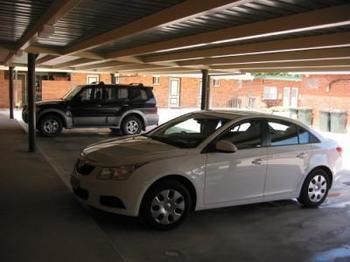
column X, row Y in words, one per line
column 122, row 93
column 245, row 134
column 283, row 133
column 305, row 137
column 85, row 95
column 97, row 96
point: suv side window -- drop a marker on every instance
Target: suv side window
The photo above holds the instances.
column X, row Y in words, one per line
column 97, row 96
column 85, row 95
column 122, row 93
column 282, row 133
column 246, row 134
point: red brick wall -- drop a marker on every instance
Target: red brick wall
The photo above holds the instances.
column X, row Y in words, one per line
column 55, row 89
column 189, row 92
column 105, row 78
column 161, row 90
column 236, row 93
column 4, row 91
column 325, row 92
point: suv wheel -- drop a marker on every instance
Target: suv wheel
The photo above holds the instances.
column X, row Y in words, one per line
column 315, row 189
column 131, row 125
column 50, row 125
column 166, row 205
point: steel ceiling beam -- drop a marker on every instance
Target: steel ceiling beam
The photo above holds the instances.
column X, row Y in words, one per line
column 308, row 21
column 42, row 49
column 56, row 10
column 46, row 58
column 101, row 65
column 322, row 63
column 75, row 62
column 184, row 10
column 284, row 45
column 297, row 69
column 304, row 55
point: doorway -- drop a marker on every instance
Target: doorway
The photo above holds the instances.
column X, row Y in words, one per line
column 174, row 92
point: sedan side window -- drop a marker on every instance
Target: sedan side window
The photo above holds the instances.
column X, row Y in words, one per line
column 283, row 133
column 306, row 137
column 245, row 135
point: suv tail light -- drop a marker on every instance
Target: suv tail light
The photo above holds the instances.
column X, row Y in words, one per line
column 339, row 149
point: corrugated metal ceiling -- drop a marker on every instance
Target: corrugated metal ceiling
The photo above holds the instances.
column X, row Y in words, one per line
column 92, row 17
column 16, row 16
column 254, row 11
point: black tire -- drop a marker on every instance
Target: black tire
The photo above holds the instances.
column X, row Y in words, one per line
column 115, row 131
column 50, row 125
column 172, row 210
column 131, row 125
column 315, row 188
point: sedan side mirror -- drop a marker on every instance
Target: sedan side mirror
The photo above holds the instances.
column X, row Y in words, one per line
column 225, row 146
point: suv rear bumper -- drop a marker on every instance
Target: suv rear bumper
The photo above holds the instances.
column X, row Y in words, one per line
column 151, row 119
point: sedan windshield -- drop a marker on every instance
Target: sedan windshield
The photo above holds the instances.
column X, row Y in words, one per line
column 71, row 93
column 188, row 132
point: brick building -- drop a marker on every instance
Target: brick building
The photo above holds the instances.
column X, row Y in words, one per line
column 319, row 92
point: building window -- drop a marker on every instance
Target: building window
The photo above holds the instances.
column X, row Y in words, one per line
column 92, row 79
column 251, row 102
column 156, row 80
column 216, row 83
column 116, row 78
column 270, row 93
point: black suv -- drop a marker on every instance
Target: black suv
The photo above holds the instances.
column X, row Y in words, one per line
column 128, row 108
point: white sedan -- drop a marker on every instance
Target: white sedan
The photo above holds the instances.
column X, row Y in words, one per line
column 204, row 160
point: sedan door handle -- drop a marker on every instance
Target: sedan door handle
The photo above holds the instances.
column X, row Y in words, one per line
column 257, row 161
column 301, row 155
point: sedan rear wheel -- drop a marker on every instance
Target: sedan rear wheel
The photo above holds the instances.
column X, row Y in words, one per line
column 166, row 205
column 315, row 188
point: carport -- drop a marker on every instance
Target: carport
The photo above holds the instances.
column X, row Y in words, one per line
column 211, row 37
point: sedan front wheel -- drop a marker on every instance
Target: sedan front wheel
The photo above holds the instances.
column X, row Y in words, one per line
column 166, row 205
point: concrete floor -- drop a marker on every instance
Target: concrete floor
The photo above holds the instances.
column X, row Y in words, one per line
column 274, row 231
column 40, row 220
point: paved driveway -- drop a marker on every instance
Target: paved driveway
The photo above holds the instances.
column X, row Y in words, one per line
column 274, row 231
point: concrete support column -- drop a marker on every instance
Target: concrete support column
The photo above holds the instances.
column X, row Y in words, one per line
column 11, row 91
column 205, row 90
column 31, row 94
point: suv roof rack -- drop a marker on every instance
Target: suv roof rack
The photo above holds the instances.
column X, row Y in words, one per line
column 136, row 84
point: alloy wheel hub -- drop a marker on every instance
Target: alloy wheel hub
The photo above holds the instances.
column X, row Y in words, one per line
column 317, row 188
column 168, row 207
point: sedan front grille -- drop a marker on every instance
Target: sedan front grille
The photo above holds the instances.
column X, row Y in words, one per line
column 84, row 168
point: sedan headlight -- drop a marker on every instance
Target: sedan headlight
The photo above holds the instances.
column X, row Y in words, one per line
column 117, row 173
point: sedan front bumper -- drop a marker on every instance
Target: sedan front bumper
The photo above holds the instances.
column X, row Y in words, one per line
column 118, row 197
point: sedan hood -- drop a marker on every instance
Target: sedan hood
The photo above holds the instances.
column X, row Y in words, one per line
column 129, row 150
